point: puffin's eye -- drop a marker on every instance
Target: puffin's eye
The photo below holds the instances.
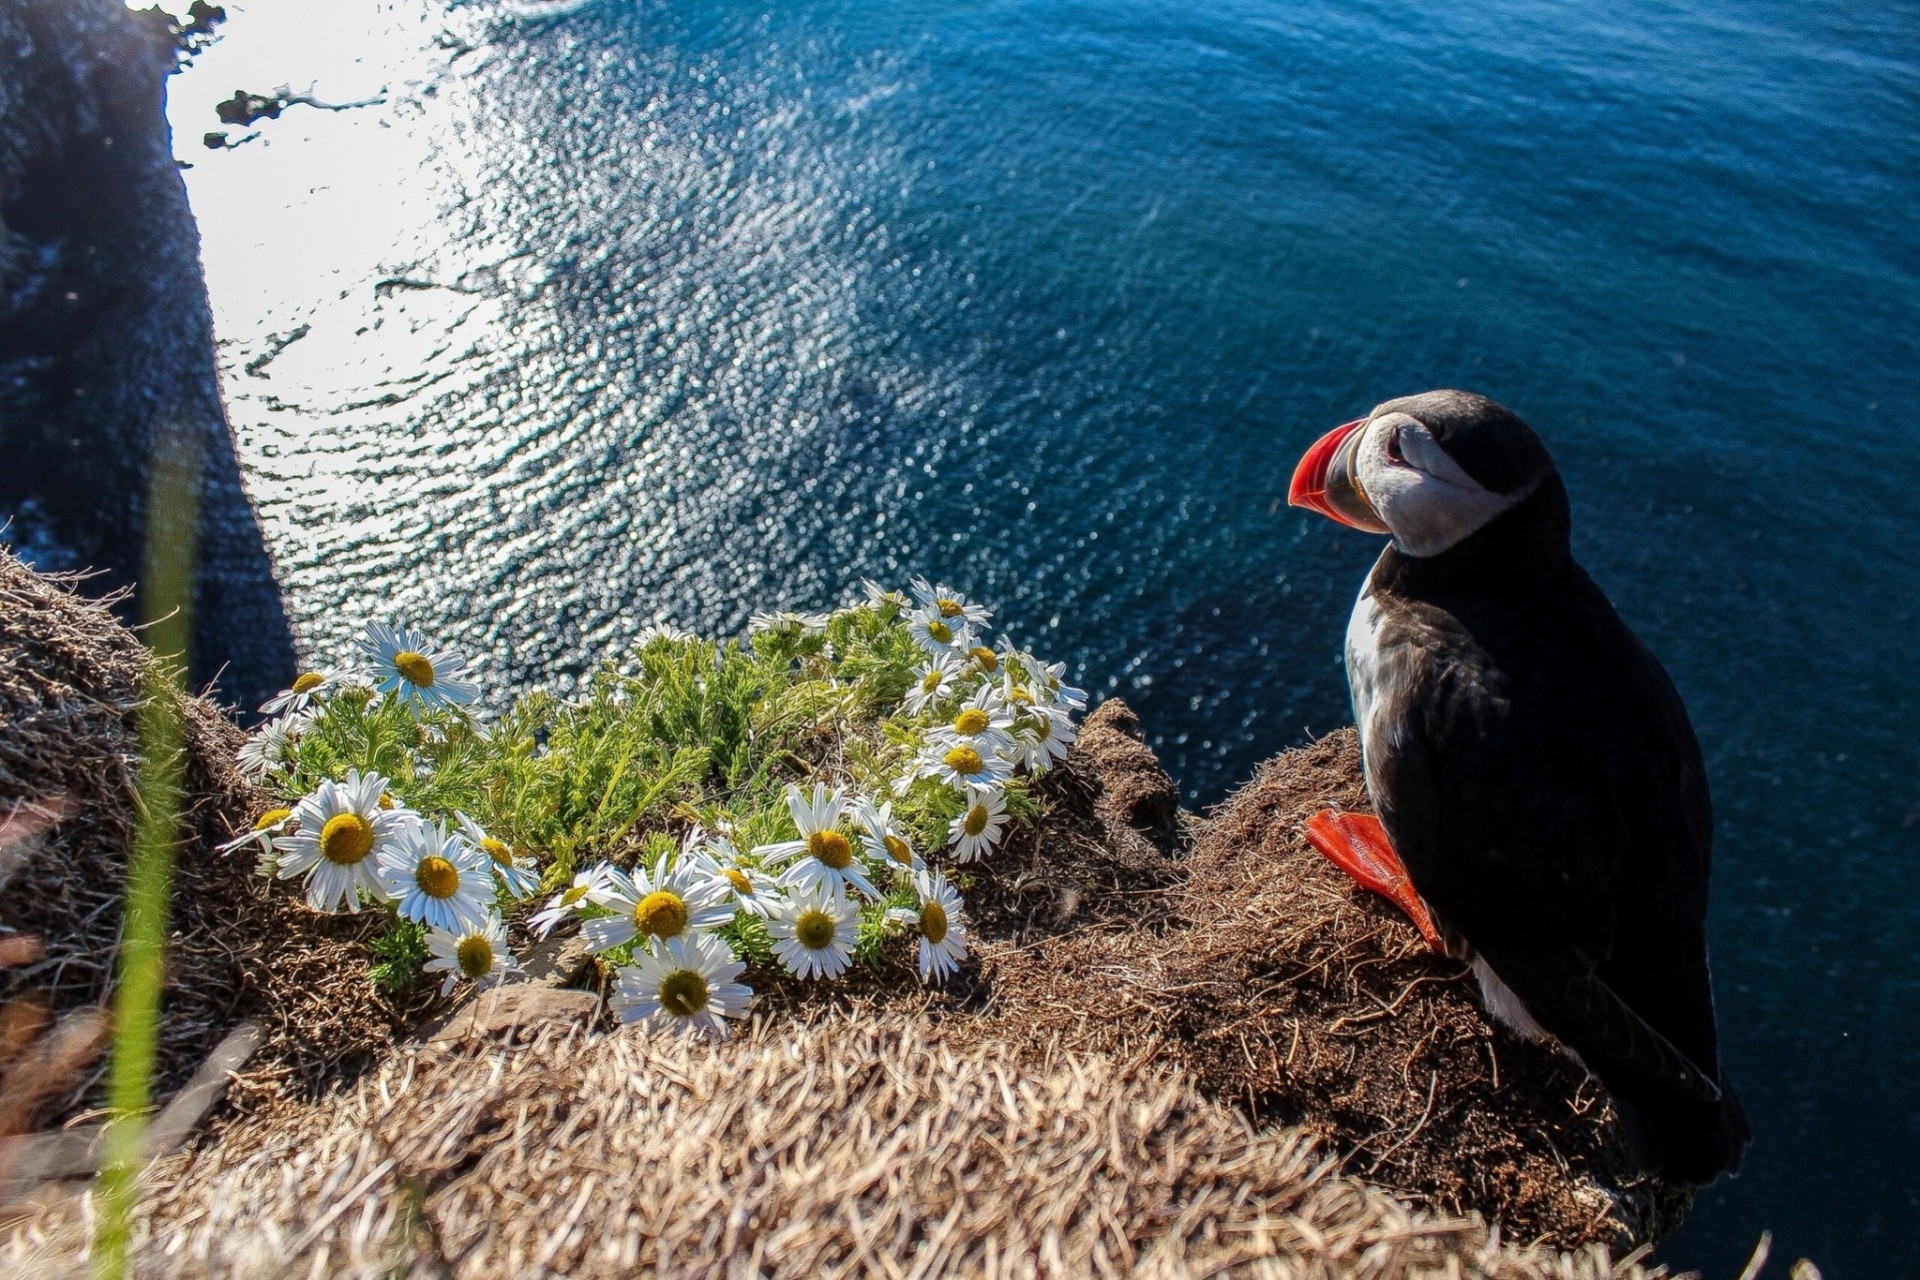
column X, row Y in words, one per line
column 1393, row 448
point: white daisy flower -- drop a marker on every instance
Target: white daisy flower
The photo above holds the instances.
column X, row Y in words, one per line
column 654, row 907
column 478, row 955
column 813, row 935
column 977, row 831
column 660, row 632
column 308, row 687
column 517, row 873
column 687, row 986
column 982, row 660
column 408, row 667
column 885, row 601
column 822, row 857
column 885, row 843
column 789, row 622
column 754, row 891
column 1051, row 676
column 574, row 898
column 271, row 746
column 936, row 634
column 950, row 604
column 959, row 765
column 933, row 681
column 264, row 828
column 979, row 722
column 343, row 826
column 941, row 924
column 1043, row 736
column 437, row 879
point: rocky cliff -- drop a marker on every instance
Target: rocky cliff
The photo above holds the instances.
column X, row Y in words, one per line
column 106, row 342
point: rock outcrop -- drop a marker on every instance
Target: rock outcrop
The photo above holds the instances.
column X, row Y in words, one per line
column 106, row 343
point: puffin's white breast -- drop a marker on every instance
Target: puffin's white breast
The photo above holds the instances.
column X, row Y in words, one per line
column 1370, row 670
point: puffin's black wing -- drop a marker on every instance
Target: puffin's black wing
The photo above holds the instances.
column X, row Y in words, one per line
column 1541, row 782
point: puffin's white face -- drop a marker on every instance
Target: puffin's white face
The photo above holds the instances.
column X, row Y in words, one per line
column 1419, row 492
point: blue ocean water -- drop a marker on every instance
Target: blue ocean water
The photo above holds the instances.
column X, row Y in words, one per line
column 631, row 311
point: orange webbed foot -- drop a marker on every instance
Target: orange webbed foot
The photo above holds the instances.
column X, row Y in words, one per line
column 1358, row 845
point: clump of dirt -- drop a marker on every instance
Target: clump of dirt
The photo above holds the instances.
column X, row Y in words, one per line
column 70, row 705
column 1279, row 986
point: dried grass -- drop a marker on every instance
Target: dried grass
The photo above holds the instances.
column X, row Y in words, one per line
column 69, row 704
column 856, row 1148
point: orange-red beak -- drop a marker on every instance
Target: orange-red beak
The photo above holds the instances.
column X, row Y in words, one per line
column 1324, row 481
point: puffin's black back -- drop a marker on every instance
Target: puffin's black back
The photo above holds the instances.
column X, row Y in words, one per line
column 1544, row 788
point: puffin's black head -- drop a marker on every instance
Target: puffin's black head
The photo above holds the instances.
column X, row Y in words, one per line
column 1432, row 469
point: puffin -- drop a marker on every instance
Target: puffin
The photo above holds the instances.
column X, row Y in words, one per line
column 1542, row 806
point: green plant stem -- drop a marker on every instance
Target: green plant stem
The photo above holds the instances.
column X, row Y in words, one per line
column 165, row 597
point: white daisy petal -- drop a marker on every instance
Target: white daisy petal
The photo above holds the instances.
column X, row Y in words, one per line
column 688, row 985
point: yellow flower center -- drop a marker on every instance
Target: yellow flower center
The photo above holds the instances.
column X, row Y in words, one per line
column 831, row 848
column 414, row 667
column 475, row 955
column 987, row 658
column 683, row 993
column 272, row 818
column 573, row 895
column 346, row 840
column 437, row 877
column 897, row 850
column 971, row 721
column 814, row 929
column 931, row 681
column 965, row 761
column 1042, row 728
column 661, row 914
column 976, row 820
column 738, row 879
column 949, row 608
column 498, row 850
column 940, row 631
column 308, row 681
column 1021, row 694
column 933, row 922
column 386, row 801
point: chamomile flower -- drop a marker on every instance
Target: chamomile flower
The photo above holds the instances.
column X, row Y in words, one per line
column 1051, row 676
column 941, row 925
column 569, row 901
column 662, row 633
column 654, row 906
column 687, row 986
column 823, row 857
column 787, row 622
column 885, row 601
column 308, row 688
column 1042, row 736
column 408, row 667
column 342, row 829
column 980, row 722
column 517, row 872
column 813, row 935
column 436, row 879
column 936, row 634
column 886, row 844
column 977, row 831
column 960, row 766
column 933, row 681
column 478, row 955
column 753, row 890
column 948, row 603
column 271, row 745
column 264, row 828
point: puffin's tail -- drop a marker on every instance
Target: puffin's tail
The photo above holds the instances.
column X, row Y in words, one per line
column 1686, row 1139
